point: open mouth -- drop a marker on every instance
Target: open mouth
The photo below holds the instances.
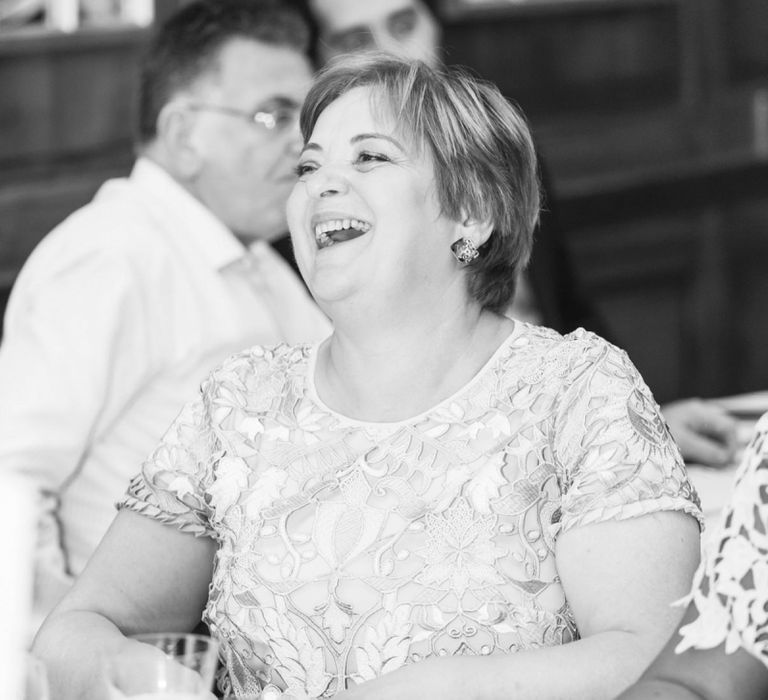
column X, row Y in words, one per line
column 334, row 231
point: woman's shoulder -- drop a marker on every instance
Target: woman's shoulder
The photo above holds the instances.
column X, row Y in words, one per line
column 578, row 364
column 259, row 364
column 543, row 337
column 539, row 343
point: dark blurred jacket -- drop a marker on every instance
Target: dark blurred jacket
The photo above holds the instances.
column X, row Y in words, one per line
column 559, row 293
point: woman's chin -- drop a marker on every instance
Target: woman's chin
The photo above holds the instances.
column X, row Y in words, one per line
column 330, row 290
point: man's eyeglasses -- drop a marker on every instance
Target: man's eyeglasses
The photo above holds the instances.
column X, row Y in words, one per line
column 277, row 119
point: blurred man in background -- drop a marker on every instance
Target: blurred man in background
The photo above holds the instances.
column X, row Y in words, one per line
column 548, row 293
column 125, row 307
column 407, row 28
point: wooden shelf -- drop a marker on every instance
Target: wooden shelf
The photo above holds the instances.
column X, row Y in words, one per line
column 459, row 10
column 39, row 40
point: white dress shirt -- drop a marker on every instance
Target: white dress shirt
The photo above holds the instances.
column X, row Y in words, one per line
column 114, row 320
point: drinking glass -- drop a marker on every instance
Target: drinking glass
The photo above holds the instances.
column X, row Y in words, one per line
column 163, row 667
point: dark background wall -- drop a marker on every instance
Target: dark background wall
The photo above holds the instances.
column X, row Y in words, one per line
column 652, row 116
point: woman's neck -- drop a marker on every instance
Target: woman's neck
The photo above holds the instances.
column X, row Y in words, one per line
column 386, row 374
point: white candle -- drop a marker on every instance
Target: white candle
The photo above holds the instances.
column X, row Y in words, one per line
column 63, row 15
column 18, row 534
column 140, row 12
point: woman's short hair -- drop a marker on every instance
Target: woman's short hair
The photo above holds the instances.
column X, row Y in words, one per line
column 482, row 150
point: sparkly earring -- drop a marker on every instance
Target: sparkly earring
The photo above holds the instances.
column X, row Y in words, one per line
column 464, row 251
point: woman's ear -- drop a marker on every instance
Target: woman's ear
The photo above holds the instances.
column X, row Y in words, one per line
column 175, row 125
column 476, row 230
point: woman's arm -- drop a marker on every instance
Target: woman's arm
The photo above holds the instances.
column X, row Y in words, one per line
column 708, row 674
column 144, row 577
column 620, row 578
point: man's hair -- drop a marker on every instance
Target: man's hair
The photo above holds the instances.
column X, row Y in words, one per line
column 479, row 144
column 188, row 43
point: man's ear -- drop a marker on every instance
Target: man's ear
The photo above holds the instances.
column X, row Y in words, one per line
column 175, row 126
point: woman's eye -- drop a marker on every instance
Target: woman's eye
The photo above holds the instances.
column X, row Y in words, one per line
column 303, row 169
column 402, row 24
column 368, row 158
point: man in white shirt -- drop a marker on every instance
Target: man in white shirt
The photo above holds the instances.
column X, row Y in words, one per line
column 124, row 308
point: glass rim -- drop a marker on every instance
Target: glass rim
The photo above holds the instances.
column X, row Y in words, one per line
column 141, row 636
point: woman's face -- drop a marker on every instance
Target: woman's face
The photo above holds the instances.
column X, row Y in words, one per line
column 364, row 215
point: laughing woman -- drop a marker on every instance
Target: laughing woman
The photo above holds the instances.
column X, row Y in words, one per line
column 436, row 501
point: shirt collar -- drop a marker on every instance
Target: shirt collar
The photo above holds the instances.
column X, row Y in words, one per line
column 252, row 258
column 194, row 224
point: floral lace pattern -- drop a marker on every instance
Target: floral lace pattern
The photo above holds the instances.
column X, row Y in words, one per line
column 348, row 549
column 730, row 588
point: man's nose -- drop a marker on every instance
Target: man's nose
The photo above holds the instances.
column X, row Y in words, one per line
column 383, row 40
column 294, row 141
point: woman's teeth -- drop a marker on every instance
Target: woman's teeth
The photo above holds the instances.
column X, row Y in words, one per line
column 337, row 230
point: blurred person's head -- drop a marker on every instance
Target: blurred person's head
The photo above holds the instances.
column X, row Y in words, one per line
column 221, row 87
column 406, row 28
column 455, row 157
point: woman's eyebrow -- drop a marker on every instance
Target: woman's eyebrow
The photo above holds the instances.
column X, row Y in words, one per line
column 376, row 135
column 312, row 146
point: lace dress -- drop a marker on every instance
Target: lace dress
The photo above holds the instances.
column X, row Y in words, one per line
column 348, row 549
column 730, row 588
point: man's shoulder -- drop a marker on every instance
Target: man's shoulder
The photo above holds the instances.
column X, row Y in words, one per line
column 116, row 208
column 116, row 224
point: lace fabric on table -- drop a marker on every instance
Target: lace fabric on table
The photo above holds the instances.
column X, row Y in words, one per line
column 348, row 549
column 730, row 588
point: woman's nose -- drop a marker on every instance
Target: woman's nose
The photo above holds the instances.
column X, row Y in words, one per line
column 327, row 182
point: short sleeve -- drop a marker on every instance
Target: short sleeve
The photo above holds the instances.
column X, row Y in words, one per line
column 614, row 450
column 173, row 481
column 730, row 588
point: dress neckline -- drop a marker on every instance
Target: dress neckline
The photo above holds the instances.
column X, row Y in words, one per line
column 311, row 368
